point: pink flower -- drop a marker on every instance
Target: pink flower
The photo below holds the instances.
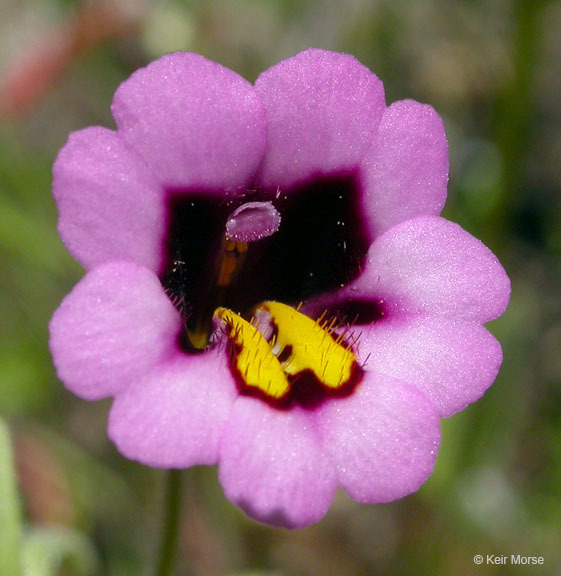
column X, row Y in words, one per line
column 213, row 201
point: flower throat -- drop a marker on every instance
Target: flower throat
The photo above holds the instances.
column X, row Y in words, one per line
column 319, row 245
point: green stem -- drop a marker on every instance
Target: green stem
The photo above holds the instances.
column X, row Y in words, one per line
column 172, row 514
column 517, row 107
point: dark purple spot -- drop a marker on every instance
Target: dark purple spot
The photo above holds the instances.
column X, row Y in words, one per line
column 359, row 312
column 285, row 354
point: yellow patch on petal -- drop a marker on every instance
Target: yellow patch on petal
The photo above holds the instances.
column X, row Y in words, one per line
column 253, row 357
column 299, row 345
column 312, row 346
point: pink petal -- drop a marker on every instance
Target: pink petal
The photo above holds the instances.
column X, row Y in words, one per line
column 323, row 109
column 114, row 326
column 406, row 168
column 452, row 362
column 272, row 466
column 110, row 206
column 174, row 416
column 430, row 265
column 195, row 123
column 383, row 439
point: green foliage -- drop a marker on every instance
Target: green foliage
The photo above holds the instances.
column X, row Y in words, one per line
column 48, row 552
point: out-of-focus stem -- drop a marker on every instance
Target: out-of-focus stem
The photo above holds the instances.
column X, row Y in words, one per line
column 518, row 101
column 170, row 529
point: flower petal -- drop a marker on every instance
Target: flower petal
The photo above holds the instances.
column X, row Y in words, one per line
column 114, row 326
column 406, row 169
column 322, row 111
column 430, row 265
column 272, row 466
column 452, row 362
column 195, row 123
column 383, row 439
column 110, row 206
column 174, row 416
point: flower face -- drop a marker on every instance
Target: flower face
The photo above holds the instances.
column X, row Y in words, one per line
column 269, row 285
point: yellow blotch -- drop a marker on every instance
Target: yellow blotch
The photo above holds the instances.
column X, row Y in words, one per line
column 253, row 356
column 312, row 346
column 299, row 344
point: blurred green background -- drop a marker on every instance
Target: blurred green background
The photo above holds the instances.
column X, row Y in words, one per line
column 491, row 69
